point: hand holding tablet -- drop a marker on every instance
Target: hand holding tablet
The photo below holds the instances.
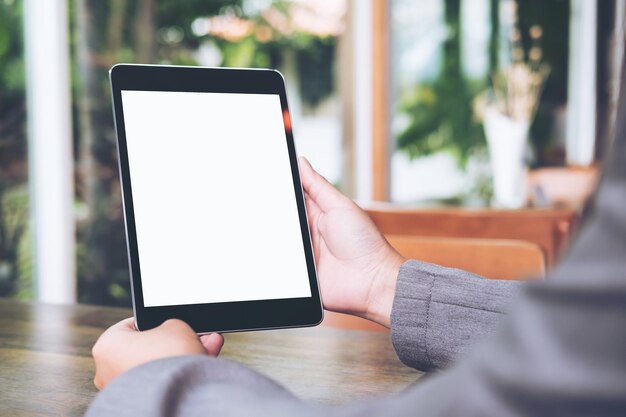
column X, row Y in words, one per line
column 216, row 225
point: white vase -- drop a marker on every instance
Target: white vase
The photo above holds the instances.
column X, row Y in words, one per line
column 506, row 139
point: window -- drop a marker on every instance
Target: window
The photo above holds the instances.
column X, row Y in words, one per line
column 444, row 54
column 381, row 92
column 300, row 38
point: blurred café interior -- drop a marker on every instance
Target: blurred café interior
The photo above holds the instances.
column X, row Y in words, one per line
column 472, row 131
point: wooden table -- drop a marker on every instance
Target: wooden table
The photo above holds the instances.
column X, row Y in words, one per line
column 46, row 366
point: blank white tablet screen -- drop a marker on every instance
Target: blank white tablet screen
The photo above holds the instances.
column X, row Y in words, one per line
column 214, row 202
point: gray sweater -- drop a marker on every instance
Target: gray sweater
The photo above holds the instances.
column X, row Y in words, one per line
column 561, row 349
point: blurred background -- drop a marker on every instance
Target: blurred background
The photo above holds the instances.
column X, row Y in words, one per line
column 401, row 104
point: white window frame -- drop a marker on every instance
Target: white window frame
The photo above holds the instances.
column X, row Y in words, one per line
column 50, row 159
column 581, row 89
column 362, row 99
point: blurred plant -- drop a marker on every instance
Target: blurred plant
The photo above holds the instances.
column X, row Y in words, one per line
column 249, row 36
column 516, row 89
column 13, row 144
column 553, row 18
column 427, row 105
column 13, row 228
column 479, row 180
column 508, row 109
column 440, row 111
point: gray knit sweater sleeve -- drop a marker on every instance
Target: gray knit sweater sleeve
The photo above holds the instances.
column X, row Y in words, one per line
column 439, row 313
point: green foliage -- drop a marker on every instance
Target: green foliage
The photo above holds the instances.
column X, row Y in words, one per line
column 24, row 288
column 13, row 225
column 12, row 75
column 440, row 112
column 242, row 54
column 314, row 63
column 441, row 120
column 183, row 13
column 5, row 27
column 15, row 259
column 314, row 54
column 552, row 17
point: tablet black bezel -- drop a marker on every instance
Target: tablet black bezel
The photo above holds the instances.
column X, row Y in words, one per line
column 213, row 317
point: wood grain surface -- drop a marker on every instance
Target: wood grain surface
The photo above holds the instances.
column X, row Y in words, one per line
column 46, row 367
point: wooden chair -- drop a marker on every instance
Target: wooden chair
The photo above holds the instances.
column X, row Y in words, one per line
column 491, row 258
column 551, row 229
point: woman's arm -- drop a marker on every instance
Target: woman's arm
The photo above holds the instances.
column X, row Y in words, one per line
column 438, row 313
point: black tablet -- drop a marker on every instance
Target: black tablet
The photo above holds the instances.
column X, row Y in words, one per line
column 215, row 218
